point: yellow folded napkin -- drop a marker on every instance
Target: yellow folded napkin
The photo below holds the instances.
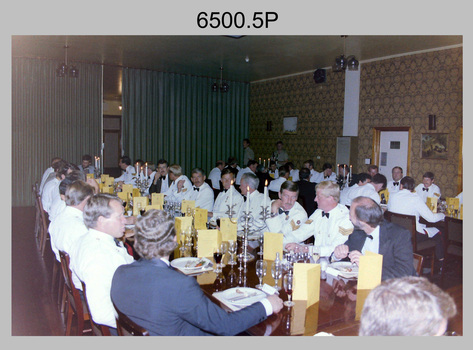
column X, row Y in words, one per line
column 109, row 181
column 139, row 202
column 153, row 206
column 207, row 241
column 455, row 202
column 103, row 177
column 157, row 199
column 106, row 189
column 206, row 278
column 272, row 245
column 187, row 204
column 200, row 219
column 127, row 188
column 90, row 176
column 228, row 228
column 136, row 192
column 123, row 196
column 181, row 224
column 432, row 203
column 306, row 282
column 369, row 276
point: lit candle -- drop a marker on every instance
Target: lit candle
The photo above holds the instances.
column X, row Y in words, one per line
column 247, row 199
column 350, row 170
column 136, row 169
column 265, row 194
column 146, row 169
column 260, row 160
column 98, row 161
column 344, row 171
column 231, row 197
column 337, row 169
column 264, row 162
column 95, row 161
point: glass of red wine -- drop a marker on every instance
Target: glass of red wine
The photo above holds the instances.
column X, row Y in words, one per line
column 288, row 280
column 218, row 254
column 142, row 211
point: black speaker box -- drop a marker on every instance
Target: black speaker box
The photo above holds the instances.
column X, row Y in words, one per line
column 320, row 76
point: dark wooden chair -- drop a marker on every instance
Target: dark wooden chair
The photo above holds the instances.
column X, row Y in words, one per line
column 43, row 224
column 273, row 194
column 75, row 305
column 126, row 327
column 425, row 248
column 418, row 263
column 453, row 242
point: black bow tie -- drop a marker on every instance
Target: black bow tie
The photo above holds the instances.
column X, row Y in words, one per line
column 281, row 210
column 225, row 191
column 369, row 236
column 425, row 189
column 196, row 189
column 396, row 183
column 244, row 198
column 326, row 177
column 117, row 242
column 325, row 214
column 162, row 177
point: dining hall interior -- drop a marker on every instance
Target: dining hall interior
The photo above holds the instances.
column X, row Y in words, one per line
column 193, row 99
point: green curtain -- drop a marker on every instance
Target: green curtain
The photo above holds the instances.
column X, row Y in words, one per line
column 51, row 117
column 178, row 118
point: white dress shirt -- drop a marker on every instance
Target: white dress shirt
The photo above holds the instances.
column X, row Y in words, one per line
column 50, row 193
column 94, row 260
column 275, row 185
column 171, row 193
column 344, row 194
column 409, row 203
column 65, row 231
column 222, row 204
column 367, row 190
column 241, row 173
column 90, row 169
column 321, row 177
column 432, row 191
column 294, row 174
column 286, row 224
column 328, row 231
column 128, row 176
column 393, row 188
column 275, row 173
column 214, row 176
column 57, row 206
column 257, row 201
column 372, row 245
column 204, row 197
column 314, row 175
column 46, row 174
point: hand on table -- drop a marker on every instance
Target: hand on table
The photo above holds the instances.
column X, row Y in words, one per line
column 276, row 303
column 354, row 256
column 296, row 247
column 341, row 251
column 180, row 185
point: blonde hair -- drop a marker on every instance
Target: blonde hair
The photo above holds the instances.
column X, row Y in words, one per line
column 176, row 170
column 329, row 189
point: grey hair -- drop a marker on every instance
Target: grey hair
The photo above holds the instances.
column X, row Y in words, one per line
column 251, row 180
column 77, row 192
column 98, row 205
column 367, row 210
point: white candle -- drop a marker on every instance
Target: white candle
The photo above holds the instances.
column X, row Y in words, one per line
column 264, row 161
column 231, row 197
column 247, row 199
column 337, row 169
column 146, row 169
column 344, row 171
column 98, row 162
column 350, row 170
column 136, row 169
column 265, row 194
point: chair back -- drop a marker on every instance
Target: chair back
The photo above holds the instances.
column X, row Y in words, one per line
column 43, row 225
column 98, row 329
column 126, row 327
column 273, row 194
column 454, row 236
column 418, row 262
column 406, row 221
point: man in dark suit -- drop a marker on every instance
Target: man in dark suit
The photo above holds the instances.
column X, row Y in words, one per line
column 167, row 302
column 161, row 181
column 306, row 191
column 373, row 233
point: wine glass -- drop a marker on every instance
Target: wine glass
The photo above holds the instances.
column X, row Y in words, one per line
column 276, row 272
column 218, row 258
column 232, row 249
column 224, row 248
column 182, row 239
column 288, row 281
column 261, row 266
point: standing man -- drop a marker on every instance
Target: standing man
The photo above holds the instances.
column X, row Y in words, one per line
column 373, row 233
column 330, row 224
column 216, row 174
column 167, row 302
column 229, row 197
column 280, row 156
column 248, row 153
column 98, row 254
column 86, row 164
column 201, row 192
column 129, row 174
column 394, row 184
column 161, row 181
column 427, row 188
column 287, row 215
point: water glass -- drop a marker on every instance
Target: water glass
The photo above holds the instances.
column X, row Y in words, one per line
column 261, row 267
column 232, row 249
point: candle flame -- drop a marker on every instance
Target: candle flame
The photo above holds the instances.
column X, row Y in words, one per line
column 266, row 182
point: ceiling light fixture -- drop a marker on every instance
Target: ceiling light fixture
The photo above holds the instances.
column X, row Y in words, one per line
column 63, row 69
column 341, row 62
column 223, row 86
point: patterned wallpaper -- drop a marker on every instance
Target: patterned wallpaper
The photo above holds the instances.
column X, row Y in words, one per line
column 395, row 92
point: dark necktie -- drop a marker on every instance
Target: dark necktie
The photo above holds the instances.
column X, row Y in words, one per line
column 396, row 183
column 196, row 189
column 369, row 236
column 325, row 214
column 244, row 198
column 162, row 178
column 117, row 242
column 281, row 210
column 425, row 189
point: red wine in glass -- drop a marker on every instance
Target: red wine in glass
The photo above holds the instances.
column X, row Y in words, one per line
column 142, row 211
column 218, row 257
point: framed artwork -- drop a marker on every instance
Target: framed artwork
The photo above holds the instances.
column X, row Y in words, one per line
column 290, row 125
column 434, row 146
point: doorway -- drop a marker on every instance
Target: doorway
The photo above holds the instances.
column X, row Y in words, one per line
column 391, row 148
column 112, row 140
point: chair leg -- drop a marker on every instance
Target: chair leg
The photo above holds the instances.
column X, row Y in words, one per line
column 70, row 313
column 64, row 298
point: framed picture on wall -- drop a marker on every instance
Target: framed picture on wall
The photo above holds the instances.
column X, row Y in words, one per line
column 434, row 146
column 290, row 125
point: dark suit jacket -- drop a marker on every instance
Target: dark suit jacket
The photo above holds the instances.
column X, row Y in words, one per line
column 395, row 246
column 307, row 196
column 156, row 188
column 167, row 302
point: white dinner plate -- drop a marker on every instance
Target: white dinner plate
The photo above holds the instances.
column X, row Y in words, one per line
column 252, row 295
column 346, row 268
column 189, row 264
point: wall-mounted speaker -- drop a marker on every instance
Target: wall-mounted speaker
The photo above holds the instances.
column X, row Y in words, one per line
column 320, row 76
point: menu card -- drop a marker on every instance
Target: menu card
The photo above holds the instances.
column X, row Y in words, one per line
column 90, row 176
column 153, row 206
column 306, row 282
column 455, row 202
column 187, row 204
column 103, row 177
column 157, row 199
column 123, row 196
column 206, row 278
column 136, row 192
column 107, row 189
column 369, row 276
column 272, row 245
column 127, row 188
column 200, row 219
column 109, row 181
column 228, row 228
column 207, row 241
column 181, row 224
column 138, row 203
column 432, row 203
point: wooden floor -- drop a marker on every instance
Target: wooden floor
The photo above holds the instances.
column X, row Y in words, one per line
column 34, row 308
